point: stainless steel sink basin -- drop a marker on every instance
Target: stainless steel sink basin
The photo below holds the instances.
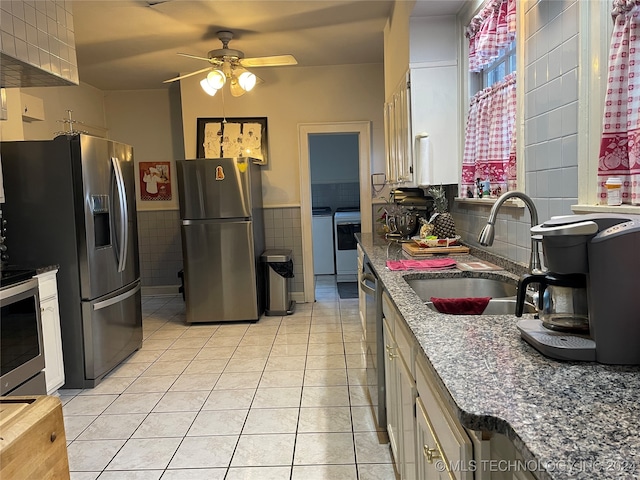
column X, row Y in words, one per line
column 498, row 306
column 460, row 287
column 502, row 292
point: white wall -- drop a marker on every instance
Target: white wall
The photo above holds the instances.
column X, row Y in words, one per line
column 433, row 39
column 85, row 101
column 396, row 46
column 290, row 97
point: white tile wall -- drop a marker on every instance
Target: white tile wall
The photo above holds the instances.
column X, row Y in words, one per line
column 39, row 33
column 551, row 126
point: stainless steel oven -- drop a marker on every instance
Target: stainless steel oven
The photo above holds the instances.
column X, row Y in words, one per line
column 21, row 346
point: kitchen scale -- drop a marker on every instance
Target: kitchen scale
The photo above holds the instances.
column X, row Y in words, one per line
column 557, row 344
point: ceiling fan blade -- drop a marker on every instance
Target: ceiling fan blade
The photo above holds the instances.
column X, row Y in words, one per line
column 193, row 56
column 272, row 61
column 187, row 75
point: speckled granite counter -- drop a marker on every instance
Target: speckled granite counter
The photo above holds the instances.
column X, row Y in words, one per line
column 575, row 420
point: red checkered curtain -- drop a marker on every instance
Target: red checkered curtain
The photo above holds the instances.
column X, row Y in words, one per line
column 491, row 30
column 490, row 141
column 620, row 144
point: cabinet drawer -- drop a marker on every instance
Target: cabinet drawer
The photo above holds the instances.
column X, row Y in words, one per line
column 449, row 433
column 47, row 286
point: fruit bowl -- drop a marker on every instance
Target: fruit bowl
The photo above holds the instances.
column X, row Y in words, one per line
column 437, row 242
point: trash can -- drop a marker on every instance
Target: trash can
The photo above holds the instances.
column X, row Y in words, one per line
column 278, row 270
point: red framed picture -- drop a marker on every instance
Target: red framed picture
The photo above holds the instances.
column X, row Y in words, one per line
column 155, row 181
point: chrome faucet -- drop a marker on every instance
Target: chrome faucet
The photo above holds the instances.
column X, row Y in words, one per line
column 488, row 232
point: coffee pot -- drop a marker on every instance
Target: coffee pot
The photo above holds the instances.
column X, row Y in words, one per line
column 562, row 301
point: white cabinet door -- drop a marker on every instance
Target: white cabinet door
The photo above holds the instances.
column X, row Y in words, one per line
column 401, row 396
column 398, row 142
column 54, row 364
column 431, row 465
column 434, row 111
column 407, row 420
column 391, row 390
column 51, row 335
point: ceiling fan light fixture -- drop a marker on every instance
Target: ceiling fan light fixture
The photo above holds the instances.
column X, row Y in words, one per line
column 247, row 80
column 216, row 79
column 207, row 88
column 235, row 88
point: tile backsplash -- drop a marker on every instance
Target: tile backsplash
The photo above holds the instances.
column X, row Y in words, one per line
column 283, row 230
column 160, row 247
column 37, row 34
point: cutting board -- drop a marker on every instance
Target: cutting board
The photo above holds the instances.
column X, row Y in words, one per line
column 478, row 266
column 32, row 440
column 415, row 250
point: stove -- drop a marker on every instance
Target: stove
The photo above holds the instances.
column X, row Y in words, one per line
column 346, row 222
column 13, row 275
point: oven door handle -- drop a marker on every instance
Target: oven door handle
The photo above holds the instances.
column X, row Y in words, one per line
column 13, row 290
column 366, row 288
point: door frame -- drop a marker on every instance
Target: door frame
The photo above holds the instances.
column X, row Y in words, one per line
column 363, row 130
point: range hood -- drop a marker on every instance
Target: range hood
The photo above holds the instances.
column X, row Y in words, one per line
column 39, row 50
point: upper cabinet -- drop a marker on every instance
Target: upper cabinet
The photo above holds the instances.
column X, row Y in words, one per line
column 422, row 111
column 398, row 134
column 422, row 134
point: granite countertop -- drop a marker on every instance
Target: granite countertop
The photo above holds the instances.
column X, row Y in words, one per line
column 571, row 419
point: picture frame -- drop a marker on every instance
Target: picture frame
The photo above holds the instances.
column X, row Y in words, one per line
column 155, row 184
column 233, row 137
column 155, row 181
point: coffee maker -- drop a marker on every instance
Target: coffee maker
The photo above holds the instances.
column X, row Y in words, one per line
column 587, row 305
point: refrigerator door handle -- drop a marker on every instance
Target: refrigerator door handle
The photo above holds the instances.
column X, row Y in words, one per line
column 124, row 215
column 117, row 298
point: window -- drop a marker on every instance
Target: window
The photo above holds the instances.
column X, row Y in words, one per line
column 501, row 66
column 489, row 161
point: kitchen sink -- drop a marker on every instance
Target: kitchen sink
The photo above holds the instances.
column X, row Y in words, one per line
column 501, row 291
column 461, row 287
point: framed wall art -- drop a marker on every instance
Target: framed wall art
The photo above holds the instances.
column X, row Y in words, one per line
column 233, row 137
column 155, row 181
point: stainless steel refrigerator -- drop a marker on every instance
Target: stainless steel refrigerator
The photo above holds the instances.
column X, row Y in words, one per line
column 71, row 202
column 222, row 238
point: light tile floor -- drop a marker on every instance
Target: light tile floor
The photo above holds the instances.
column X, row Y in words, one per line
column 281, row 398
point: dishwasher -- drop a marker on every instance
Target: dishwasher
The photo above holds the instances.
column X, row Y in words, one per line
column 372, row 288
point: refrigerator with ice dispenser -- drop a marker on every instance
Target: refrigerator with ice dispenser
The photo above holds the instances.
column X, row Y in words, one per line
column 222, row 229
column 70, row 203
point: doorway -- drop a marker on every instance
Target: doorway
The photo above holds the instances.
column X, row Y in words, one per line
column 312, row 137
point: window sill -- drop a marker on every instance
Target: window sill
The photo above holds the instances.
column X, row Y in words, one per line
column 488, row 202
column 629, row 209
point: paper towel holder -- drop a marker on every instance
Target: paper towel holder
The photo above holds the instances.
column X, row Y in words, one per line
column 378, row 182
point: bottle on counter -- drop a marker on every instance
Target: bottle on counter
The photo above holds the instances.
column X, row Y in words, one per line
column 614, row 191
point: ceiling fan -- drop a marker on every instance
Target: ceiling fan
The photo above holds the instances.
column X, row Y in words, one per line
column 228, row 64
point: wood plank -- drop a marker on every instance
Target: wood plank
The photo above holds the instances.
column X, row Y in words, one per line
column 417, row 251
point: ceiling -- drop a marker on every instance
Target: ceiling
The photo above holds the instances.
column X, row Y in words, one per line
column 132, row 44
